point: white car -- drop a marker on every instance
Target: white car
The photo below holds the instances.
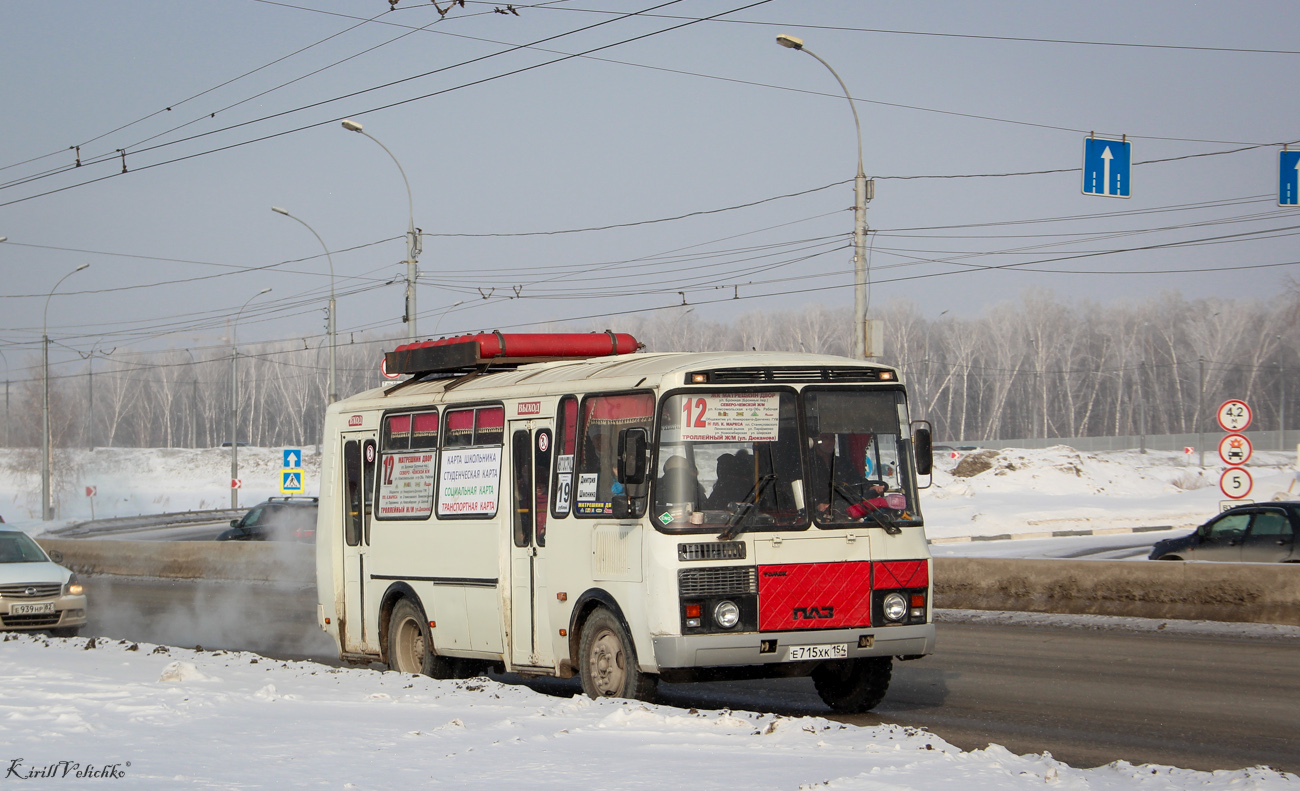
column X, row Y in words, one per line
column 37, row 594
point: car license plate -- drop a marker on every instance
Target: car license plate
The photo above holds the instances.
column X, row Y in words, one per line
column 803, row 653
column 31, row 609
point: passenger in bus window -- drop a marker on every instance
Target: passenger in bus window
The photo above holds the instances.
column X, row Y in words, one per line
column 680, row 485
column 735, row 480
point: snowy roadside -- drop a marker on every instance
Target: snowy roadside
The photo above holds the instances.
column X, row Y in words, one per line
column 171, row 718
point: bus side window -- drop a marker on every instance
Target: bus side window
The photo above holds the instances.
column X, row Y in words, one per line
column 521, row 453
column 352, row 500
column 566, row 432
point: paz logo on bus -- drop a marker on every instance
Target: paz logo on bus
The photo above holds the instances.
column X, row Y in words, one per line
column 355, row 420
column 812, row 613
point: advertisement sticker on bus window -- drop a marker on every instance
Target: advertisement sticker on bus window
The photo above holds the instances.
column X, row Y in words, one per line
column 469, row 482
column 406, row 485
column 588, row 483
column 564, row 463
column 727, row 417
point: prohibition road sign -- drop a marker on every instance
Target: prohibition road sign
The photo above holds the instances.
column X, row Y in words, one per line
column 1234, row 415
column 383, row 369
column 1236, row 483
column 1235, row 449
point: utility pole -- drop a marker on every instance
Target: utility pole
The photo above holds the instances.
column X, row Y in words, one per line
column 1200, row 411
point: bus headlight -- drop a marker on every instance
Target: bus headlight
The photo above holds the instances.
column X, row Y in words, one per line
column 726, row 614
column 895, row 606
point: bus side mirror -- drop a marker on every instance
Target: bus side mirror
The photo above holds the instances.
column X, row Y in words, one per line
column 632, row 446
column 923, row 447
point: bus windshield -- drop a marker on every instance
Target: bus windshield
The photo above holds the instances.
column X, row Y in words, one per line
column 728, row 460
column 858, row 468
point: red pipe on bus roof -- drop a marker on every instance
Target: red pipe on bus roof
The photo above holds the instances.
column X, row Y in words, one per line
column 541, row 344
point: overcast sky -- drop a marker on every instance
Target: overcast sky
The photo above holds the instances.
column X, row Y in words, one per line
column 226, row 108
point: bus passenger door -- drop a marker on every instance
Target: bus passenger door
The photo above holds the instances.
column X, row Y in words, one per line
column 530, row 476
column 359, row 453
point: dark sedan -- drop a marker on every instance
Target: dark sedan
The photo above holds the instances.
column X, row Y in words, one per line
column 1255, row 533
column 277, row 519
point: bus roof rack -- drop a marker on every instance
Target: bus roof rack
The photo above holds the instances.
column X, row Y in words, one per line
column 471, row 354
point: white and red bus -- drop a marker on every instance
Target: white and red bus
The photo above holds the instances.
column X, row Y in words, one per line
column 558, row 505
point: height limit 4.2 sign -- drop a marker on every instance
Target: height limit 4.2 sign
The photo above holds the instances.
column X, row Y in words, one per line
column 1107, row 165
column 1234, row 415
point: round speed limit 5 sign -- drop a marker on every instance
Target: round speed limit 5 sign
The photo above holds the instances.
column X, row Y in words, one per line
column 1236, row 483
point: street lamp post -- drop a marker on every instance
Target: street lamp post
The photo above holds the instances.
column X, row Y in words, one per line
column 331, row 325
column 234, row 400
column 47, row 458
column 6, row 359
column 413, row 244
column 862, row 190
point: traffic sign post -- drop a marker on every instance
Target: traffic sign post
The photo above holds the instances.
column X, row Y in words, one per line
column 1288, row 178
column 91, row 491
column 1107, row 165
column 1234, row 415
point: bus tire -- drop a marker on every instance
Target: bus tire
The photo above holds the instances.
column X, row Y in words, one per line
column 853, row 686
column 607, row 660
column 409, row 648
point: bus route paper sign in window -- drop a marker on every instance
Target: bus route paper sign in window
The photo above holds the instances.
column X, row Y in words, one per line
column 729, row 417
column 406, row 488
column 469, row 482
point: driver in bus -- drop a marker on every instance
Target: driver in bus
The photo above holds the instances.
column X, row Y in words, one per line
column 875, row 500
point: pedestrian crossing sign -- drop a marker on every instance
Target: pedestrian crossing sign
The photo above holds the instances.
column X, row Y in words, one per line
column 291, row 482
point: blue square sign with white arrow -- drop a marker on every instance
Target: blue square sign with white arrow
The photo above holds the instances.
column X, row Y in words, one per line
column 1288, row 178
column 1106, row 167
column 292, row 458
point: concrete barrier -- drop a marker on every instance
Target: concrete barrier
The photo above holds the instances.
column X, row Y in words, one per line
column 253, row 561
column 1241, row 592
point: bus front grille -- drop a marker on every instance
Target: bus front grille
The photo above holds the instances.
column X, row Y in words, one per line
column 717, row 581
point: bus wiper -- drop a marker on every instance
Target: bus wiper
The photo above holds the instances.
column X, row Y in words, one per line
column 875, row 514
column 744, row 507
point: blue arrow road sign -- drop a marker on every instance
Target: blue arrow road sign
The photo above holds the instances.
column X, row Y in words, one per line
column 1288, row 178
column 1106, row 166
column 292, row 458
column 291, row 481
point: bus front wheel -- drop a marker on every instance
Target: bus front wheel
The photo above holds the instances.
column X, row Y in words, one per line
column 852, row 686
column 607, row 661
column 409, row 648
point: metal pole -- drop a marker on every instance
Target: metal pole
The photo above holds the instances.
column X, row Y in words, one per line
column 47, row 453
column 1281, row 409
column 234, row 400
column 1200, row 411
column 90, row 405
column 413, row 244
column 861, row 194
column 1142, row 414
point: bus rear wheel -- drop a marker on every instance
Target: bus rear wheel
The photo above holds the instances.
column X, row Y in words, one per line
column 409, row 648
column 607, row 661
column 852, row 686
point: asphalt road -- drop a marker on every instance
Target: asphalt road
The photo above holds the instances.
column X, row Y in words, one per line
column 1088, row 697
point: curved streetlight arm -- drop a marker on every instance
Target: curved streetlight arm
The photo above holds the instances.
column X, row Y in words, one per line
column 234, row 328
column 45, row 323
column 414, row 244
column 328, row 257
column 852, row 106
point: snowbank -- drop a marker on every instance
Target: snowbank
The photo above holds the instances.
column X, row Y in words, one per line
column 173, row 718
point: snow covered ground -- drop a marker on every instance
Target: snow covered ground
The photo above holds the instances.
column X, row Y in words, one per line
column 170, row 718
